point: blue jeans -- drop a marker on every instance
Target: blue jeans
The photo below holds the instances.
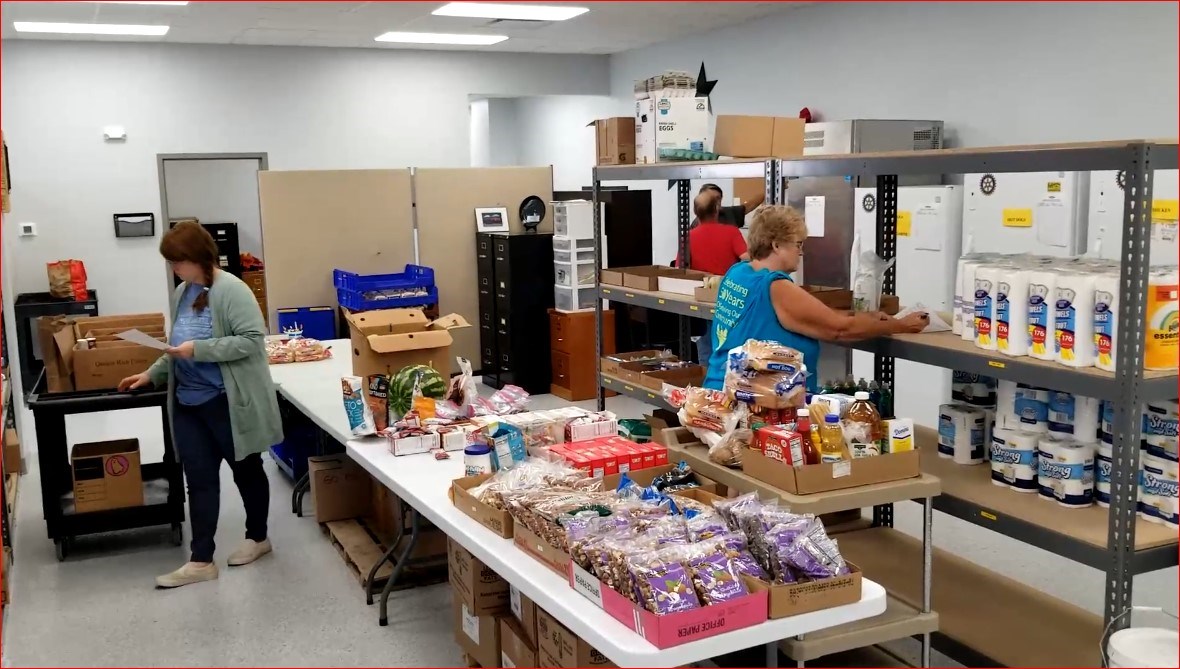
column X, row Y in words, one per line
column 203, row 439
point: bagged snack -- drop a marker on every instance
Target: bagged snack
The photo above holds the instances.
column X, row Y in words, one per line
column 662, row 584
column 727, row 508
column 705, row 526
column 679, row 475
column 378, row 400
column 360, row 418
column 715, row 577
column 814, row 554
column 461, row 389
column 738, row 548
column 727, row 450
column 779, row 541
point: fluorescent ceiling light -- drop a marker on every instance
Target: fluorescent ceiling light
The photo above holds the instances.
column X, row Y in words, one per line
column 493, row 10
column 88, row 28
column 441, row 38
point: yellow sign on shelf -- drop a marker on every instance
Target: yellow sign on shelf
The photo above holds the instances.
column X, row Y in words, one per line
column 904, row 222
column 1017, row 218
column 1165, row 210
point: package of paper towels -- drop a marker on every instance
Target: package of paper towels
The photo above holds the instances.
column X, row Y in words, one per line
column 1074, row 319
column 1014, row 459
column 1042, row 289
column 987, row 280
column 1011, row 311
column 1106, row 324
column 1162, row 345
column 961, row 432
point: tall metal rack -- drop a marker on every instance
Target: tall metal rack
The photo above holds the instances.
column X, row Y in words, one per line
column 1129, row 387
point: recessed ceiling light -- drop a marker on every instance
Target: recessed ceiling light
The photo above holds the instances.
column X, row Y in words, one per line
column 441, row 38
column 493, row 10
column 138, row 2
column 88, row 28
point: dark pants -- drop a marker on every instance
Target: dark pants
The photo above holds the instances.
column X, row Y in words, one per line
column 203, row 439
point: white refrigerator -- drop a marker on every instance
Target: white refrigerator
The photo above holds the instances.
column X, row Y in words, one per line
column 1027, row 212
column 928, row 244
column 1106, row 216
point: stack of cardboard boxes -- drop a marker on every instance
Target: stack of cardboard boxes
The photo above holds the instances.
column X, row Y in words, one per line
column 497, row 626
column 84, row 353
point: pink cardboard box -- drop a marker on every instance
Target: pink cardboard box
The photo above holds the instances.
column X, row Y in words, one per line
column 673, row 629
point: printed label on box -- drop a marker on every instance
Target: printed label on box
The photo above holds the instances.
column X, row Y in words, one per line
column 586, row 584
column 841, row 469
column 514, row 599
column 470, row 625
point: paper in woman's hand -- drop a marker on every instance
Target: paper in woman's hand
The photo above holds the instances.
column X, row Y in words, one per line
column 937, row 321
column 143, row 339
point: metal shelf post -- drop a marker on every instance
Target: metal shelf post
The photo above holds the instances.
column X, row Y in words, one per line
column 596, row 198
column 683, row 219
column 886, row 245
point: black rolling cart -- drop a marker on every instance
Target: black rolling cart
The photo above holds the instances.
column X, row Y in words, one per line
column 162, row 481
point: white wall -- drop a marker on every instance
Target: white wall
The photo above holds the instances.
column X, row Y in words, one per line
column 307, row 108
column 504, row 142
column 997, row 73
column 481, row 139
column 217, row 191
column 552, row 131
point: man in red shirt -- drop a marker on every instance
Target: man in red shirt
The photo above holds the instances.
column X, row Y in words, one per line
column 713, row 246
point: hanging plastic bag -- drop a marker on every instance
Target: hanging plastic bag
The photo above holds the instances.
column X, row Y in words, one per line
column 67, row 279
column 868, row 280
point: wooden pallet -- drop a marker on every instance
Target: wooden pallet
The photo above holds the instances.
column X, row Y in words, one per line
column 360, row 548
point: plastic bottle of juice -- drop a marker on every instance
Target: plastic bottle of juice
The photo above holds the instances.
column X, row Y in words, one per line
column 862, row 427
column 803, row 427
column 886, row 401
column 831, row 440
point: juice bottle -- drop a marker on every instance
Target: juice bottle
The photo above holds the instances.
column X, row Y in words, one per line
column 862, row 427
column 817, row 445
column 831, row 440
column 803, row 427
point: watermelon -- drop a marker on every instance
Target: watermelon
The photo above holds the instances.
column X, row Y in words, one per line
column 401, row 387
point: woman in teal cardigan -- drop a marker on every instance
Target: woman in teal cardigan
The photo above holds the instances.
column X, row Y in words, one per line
column 220, row 398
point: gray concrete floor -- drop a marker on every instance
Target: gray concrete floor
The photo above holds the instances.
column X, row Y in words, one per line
column 302, row 607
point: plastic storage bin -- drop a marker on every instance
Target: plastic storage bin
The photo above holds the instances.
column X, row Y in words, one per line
column 565, row 244
column 573, row 299
column 565, row 274
column 362, row 292
column 316, row 322
column 573, row 219
column 565, row 257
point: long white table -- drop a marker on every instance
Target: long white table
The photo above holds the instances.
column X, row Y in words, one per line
column 423, row 482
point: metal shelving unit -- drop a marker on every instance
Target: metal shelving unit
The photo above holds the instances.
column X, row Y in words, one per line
column 629, row 389
column 1122, row 554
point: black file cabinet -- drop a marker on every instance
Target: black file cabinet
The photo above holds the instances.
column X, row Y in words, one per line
column 515, row 274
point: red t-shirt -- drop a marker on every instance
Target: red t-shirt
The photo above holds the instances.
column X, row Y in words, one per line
column 715, row 247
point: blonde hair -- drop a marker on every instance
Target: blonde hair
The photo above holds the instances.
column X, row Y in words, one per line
column 774, row 223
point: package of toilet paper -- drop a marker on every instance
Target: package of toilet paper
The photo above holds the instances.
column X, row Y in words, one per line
column 961, row 431
column 1162, row 345
column 1032, row 408
column 1106, row 426
column 1074, row 319
column 1102, row 465
column 1060, row 414
column 987, row 279
column 1160, row 490
column 1047, row 448
column 973, row 389
column 1074, row 416
column 1072, row 471
column 1161, row 422
column 1006, row 405
column 1106, row 309
column 1042, row 288
column 1011, row 309
column 1014, row 459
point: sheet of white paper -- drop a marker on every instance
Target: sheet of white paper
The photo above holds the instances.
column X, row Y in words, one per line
column 1051, row 222
column 925, row 228
column 143, row 339
column 936, row 324
column 813, row 214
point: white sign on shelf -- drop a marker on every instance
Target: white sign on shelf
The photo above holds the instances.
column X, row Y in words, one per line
column 813, row 214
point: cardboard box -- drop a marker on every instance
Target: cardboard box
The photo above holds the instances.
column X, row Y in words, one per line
column 476, row 586
column 515, row 648
column 12, row 454
column 794, row 598
column 690, row 375
column 841, row 299
column 708, row 295
column 542, row 551
column 386, row 340
column 672, row 629
column 610, row 363
column 645, row 277
column 581, row 654
column 670, row 123
column 833, row 476
column 106, row 475
column 674, row 436
column 340, row 488
column 55, row 338
column 680, row 281
column 109, row 362
column 758, row 136
column 615, row 139
column 477, row 635
column 525, row 612
column 549, row 636
column 748, row 190
column 496, row 520
column 425, row 443
column 780, row 444
column 544, row 659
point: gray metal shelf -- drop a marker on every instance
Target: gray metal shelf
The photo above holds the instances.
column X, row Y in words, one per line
column 658, row 301
column 949, row 350
column 634, row 390
column 713, row 169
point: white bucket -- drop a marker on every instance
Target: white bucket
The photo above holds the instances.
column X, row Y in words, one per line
column 1143, row 647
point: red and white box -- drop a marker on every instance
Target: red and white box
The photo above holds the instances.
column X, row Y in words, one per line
column 781, row 444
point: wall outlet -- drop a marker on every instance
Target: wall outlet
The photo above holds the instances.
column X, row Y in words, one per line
column 28, row 229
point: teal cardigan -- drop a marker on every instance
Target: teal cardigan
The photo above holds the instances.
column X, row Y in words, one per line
column 239, row 349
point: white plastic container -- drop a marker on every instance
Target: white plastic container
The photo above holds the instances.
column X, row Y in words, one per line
column 573, row 299
column 584, row 256
column 566, row 244
column 573, row 219
column 1143, row 647
column 569, row 276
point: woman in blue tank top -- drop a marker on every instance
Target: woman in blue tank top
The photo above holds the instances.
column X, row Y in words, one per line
column 758, row 299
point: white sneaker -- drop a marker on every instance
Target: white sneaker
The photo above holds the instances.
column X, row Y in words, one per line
column 191, row 572
column 249, row 551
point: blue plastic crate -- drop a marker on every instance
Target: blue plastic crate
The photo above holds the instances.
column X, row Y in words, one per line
column 316, row 322
column 362, row 292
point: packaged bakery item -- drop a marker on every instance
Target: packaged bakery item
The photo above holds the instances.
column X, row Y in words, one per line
column 378, row 399
column 766, row 356
column 360, row 418
column 773, row 390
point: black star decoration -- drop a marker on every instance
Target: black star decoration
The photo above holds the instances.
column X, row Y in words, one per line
column 704, row 86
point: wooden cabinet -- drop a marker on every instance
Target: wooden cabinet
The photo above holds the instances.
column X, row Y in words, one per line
column 256, row 280
column 572, row 352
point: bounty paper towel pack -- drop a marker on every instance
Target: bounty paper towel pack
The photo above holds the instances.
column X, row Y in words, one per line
column 1014, row 459
column 1074, row 319
column 961, row 431
column 1042, row 289
column 987, row 281
column 1011, row 311
column 965, row 292
column 1162, row 344
column 1161, row 423
column 1106, row 325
